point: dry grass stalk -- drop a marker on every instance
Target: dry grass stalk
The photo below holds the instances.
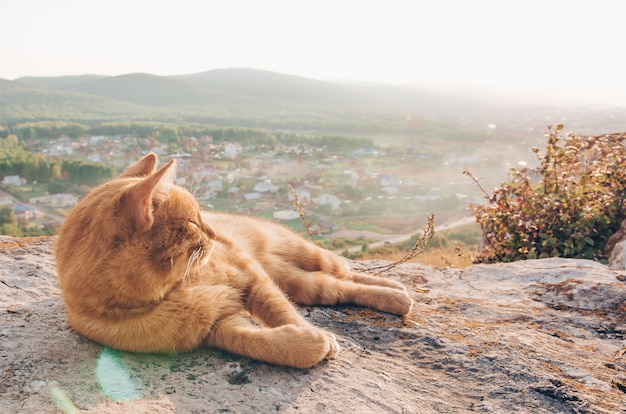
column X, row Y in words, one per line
column 420, row 246
column 296, row 202
column 480, row 187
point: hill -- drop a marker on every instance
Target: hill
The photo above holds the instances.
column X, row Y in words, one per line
column 143, row 89
column 246, row 87
column 251, row 89
column 20, row 102
column 57, row 82
column 275, row 101
column 272, row 86
column 225, row 97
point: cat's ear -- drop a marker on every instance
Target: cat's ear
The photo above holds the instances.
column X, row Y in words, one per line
column 141, row 195
column 143, row 167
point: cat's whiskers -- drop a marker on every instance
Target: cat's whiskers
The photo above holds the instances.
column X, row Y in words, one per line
column 207, row 256
column 196, row 256
column 194, row 186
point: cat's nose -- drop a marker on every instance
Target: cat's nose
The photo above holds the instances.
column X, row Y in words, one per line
column 210, row 232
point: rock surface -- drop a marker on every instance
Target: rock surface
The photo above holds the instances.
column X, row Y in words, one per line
column 543, row 336
column 616, row 248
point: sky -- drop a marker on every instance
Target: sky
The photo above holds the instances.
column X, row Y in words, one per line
column 515, row 44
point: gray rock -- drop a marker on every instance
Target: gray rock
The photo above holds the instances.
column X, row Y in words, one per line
column 616, row 248
column 541, row 336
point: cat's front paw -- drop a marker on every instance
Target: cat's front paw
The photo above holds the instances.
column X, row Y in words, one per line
column 394, row 285
column 301, row 346
column 398, row 303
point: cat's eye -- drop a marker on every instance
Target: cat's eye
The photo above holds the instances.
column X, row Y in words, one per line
column 191, row 221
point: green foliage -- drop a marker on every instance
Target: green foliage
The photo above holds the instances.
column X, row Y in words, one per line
column 9, row 225
column 343, row 243
column 439, row 240
column 468, row 234
column 48, row 129
column 11, row 229
column 87, row 173
column 7, row 216
column 568, row 206
column 56, row 187
column 15, row 160
column 172, row 132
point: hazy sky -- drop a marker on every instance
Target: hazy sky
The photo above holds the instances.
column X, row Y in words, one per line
column 523, row 43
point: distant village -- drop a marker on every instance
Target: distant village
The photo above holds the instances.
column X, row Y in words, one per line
column 227, row 176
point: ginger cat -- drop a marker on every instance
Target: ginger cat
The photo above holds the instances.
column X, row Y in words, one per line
column 143, row 269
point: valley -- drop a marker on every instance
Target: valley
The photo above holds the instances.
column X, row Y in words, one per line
column 360, row 157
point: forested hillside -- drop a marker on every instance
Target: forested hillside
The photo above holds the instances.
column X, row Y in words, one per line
column 227, row 98
column 23, row 103
column 249, row 98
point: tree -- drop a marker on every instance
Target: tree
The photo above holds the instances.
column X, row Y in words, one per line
column 7, row 215
column 87, row 173
column 55, row 172
column 11, row 141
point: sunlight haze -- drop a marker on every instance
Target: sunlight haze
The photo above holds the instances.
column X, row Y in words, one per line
column 574, row 45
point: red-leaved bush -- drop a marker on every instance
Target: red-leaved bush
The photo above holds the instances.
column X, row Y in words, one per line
column 568, row 206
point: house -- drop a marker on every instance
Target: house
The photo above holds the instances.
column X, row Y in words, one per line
column 390, row 190
column 12, row 180
column 327, row 199
column 160, row 150
column 94, row 158
column 25, row 213
column 231, row 149
column 327, row 227
column 366, row 152
column 286, row 215
column 388, row 180
column 179, row 155
column 233, row 192
column 189, row 142
column 252, row 196
column 216, row 185
column 56, row 200
column 93, row 141
column 265, row 186
column 237, row 174
column 304, row 196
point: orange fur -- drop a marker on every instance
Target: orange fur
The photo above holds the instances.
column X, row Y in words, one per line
column 143, row 269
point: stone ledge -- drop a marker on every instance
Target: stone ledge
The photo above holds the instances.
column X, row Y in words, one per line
column 539, row 336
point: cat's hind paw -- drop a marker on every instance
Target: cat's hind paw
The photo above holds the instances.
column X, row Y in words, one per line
column 333, row 345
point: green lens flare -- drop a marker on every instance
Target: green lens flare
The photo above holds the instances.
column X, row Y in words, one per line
column 115, row 378
column 63, row 402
